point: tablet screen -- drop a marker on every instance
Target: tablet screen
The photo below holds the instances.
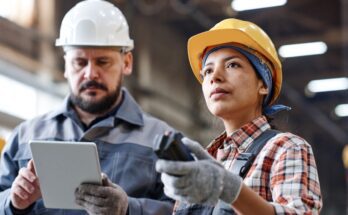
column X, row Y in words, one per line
column 62, row 167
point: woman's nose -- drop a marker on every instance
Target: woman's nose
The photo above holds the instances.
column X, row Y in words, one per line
column 217, row 75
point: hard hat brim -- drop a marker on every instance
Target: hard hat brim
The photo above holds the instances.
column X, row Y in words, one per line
column 128, row 46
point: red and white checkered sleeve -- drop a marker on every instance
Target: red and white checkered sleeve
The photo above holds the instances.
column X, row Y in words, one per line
column 294, row 177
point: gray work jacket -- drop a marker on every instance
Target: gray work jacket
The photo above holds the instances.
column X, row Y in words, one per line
column 124, row 141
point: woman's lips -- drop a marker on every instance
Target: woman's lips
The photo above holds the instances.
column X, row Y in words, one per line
column 218, row 93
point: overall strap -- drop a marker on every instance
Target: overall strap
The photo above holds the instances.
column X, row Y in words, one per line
column 244, row 160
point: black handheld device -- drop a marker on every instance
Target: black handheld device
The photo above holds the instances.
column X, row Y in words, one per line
column 170, row 147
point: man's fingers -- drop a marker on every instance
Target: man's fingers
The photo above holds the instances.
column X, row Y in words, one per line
column 98, row 199
column 93, row 190
column 94, row 204
column 20, row 192
column 25, row 185
column 19, row 202
column 99, row 191
column 106, row 181
column 94, row 200
column 174, row 167
column 27, row 174
column 25, row 188
column 31, row 166
column 92, row 209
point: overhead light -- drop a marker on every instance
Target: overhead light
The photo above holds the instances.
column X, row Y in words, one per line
column 302, row 49
column 242, row 5
column 21, row 12
column 326, row 85
column 341, row 110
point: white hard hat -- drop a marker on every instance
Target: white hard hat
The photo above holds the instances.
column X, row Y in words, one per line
column 95, row 23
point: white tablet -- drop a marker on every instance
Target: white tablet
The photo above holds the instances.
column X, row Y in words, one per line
column 62, row 167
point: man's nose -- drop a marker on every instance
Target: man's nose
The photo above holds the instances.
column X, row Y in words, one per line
column 91, row 71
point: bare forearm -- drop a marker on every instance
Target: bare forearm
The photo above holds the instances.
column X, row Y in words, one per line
column 249, row 202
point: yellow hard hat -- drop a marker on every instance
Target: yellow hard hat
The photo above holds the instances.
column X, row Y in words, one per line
column 250, row 36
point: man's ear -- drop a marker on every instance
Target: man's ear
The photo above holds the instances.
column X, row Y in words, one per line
column 65, row 73
column 128, row 63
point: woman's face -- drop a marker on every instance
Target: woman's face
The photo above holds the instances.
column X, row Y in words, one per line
column 231, row 87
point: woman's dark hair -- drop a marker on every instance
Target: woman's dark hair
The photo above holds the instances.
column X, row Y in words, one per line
column 269, row 120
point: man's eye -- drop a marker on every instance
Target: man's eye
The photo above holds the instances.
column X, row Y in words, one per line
column 103, row 62
column 79, row 63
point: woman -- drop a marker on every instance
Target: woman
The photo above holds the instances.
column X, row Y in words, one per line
column 241, row 77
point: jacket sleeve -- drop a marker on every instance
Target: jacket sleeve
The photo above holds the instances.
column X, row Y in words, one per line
column 9, row 169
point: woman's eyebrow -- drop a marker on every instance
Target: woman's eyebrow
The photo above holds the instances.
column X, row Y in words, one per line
column 231, row 57
column 225, row 59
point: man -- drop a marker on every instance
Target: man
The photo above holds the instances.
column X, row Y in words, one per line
column 94, row 36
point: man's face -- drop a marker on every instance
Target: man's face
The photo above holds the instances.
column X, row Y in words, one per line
column 95, row 77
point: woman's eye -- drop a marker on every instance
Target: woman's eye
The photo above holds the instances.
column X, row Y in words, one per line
column 207, row 72
column 233, row 65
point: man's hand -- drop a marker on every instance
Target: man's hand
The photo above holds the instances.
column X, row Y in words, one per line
column 25, row 189
column 103, row 199
column 203, row 181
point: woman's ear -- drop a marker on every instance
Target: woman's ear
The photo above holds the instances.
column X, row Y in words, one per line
column 263, row 89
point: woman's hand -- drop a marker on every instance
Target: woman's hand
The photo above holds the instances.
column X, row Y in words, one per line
column 203, row 181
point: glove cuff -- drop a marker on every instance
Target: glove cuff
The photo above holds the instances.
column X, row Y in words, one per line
column 232, row 184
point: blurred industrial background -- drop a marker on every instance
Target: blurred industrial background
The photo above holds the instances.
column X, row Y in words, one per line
column 315, row 84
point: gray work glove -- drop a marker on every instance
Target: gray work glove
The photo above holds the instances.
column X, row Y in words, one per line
column 105, row 199
column 203, row 181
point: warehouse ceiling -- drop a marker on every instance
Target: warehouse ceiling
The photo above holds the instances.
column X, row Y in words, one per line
column 296, row 22
column 299, row 21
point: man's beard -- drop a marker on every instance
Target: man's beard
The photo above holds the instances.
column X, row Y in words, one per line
column 96, row 107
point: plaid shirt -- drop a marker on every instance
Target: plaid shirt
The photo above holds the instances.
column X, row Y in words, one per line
column 284, row 173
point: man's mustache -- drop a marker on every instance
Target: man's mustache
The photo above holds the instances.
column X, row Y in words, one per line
column 94, row 84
